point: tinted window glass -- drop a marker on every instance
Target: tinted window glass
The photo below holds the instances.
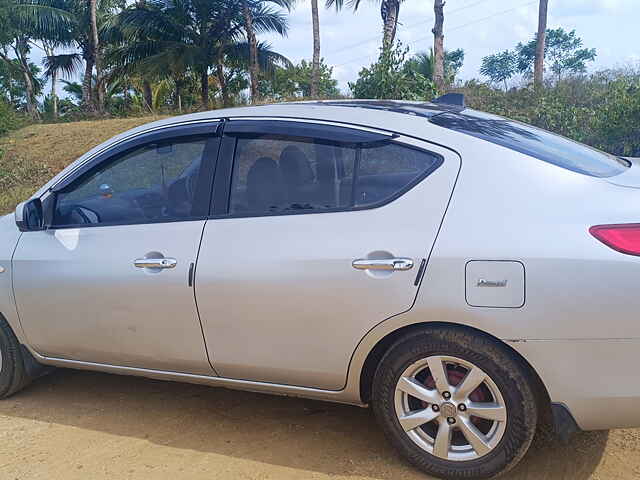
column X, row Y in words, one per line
column 385, row 170
column 535, row 142
column 279, row 175
column 155, row 182
column 282, row 175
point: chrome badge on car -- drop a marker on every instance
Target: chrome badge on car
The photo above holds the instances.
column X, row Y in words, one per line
column 491, row 283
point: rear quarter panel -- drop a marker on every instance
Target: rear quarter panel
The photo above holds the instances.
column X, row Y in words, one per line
column 508, row 206
column 579, row 322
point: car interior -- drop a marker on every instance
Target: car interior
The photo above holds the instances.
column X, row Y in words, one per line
column 155, row 183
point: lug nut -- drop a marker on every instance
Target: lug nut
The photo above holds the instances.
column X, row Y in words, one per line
column 462, row 407
column 435, row 408
column 451, row 420
column 446, row 395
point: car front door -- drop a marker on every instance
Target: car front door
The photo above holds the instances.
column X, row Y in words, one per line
column 109, row 280
column 324, row 232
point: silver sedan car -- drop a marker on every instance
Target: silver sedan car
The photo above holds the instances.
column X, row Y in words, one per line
column 465, row 275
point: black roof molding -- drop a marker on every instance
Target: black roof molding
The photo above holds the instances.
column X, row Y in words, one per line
column 420, row 109
column 453, row 99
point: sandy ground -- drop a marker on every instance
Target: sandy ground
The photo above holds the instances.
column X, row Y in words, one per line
column 84, row 425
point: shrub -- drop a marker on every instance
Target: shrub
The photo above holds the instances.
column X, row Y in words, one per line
column 602, row 110
column 389, row 79
column 9, row 118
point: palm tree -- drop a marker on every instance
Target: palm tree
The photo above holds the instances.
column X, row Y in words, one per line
column 67, row 64
column 247, row 11
column 438, row 45
column 22, row 22
column 315, row 65
column 237, row 55
column 74, row 89
column 538, row 69
column 89, row 18
column 424, row 64
column 187, row 36
column 389, row 11
column 95, row 51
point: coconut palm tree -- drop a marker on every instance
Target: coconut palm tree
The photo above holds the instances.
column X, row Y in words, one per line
column 237, row 55
column 424, row 64
column 67, row 64
column 315, row 63
column 95, row 50
column 538, row 69
column 188, row 36
column 21, row 23
column 248, row 6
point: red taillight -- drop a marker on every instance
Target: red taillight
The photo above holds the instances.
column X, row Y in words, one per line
column 624, row 238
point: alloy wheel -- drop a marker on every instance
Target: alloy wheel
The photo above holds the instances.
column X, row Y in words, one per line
column 450, row 408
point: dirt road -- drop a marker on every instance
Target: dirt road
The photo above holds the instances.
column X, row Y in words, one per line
column 80, row 425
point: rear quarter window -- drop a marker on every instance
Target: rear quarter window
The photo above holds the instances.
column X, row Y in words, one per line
column 535, row 142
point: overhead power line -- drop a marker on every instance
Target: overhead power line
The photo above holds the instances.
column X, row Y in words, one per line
column 407, row 27
column 504, row 12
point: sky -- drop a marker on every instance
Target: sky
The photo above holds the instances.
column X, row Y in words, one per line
column 351, row 40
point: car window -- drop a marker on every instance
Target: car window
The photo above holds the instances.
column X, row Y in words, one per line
column 538, row 143
column 276, row 175
column 386, row 170
column 289, row 175
column 151, row 183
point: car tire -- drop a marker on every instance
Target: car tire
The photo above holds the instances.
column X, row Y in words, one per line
column 436, row 433
column 13, row 370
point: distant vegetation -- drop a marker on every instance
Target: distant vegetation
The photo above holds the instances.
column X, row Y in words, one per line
column 116, row 58
column 601, row 110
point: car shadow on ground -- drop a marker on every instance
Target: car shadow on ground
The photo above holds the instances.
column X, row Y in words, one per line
column 302, row 434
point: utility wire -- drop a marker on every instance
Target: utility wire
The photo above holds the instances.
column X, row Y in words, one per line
column 449, row 30
column 408, row 27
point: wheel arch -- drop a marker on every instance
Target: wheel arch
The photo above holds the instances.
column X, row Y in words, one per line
column 376, row 353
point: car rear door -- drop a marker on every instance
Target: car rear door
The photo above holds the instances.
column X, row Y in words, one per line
column 108, row 281
column 320, row 232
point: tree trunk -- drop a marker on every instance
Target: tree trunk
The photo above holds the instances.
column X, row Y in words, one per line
column 315, row 67
column 147, row 94
column 126, row 96
column 20, row 48
column 223, row 84
column 538, row 67
column 438, row 46
column 254, row 68
column 54, row 94
column 178, row 84
column 389, row 10
column 204, row 88
column 95, row 52
column 50, row 52
column 31, row 107
column 87, row 97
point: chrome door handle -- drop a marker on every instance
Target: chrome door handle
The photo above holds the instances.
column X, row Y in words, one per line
column 384, row 264
column 155, row 262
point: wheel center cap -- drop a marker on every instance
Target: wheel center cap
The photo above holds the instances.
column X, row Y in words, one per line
column 448, row 409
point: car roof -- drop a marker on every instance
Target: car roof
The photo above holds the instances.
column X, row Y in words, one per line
column 377, row 109
column 421, row 109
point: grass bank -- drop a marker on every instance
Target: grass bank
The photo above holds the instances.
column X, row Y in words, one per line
column 32, row 155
